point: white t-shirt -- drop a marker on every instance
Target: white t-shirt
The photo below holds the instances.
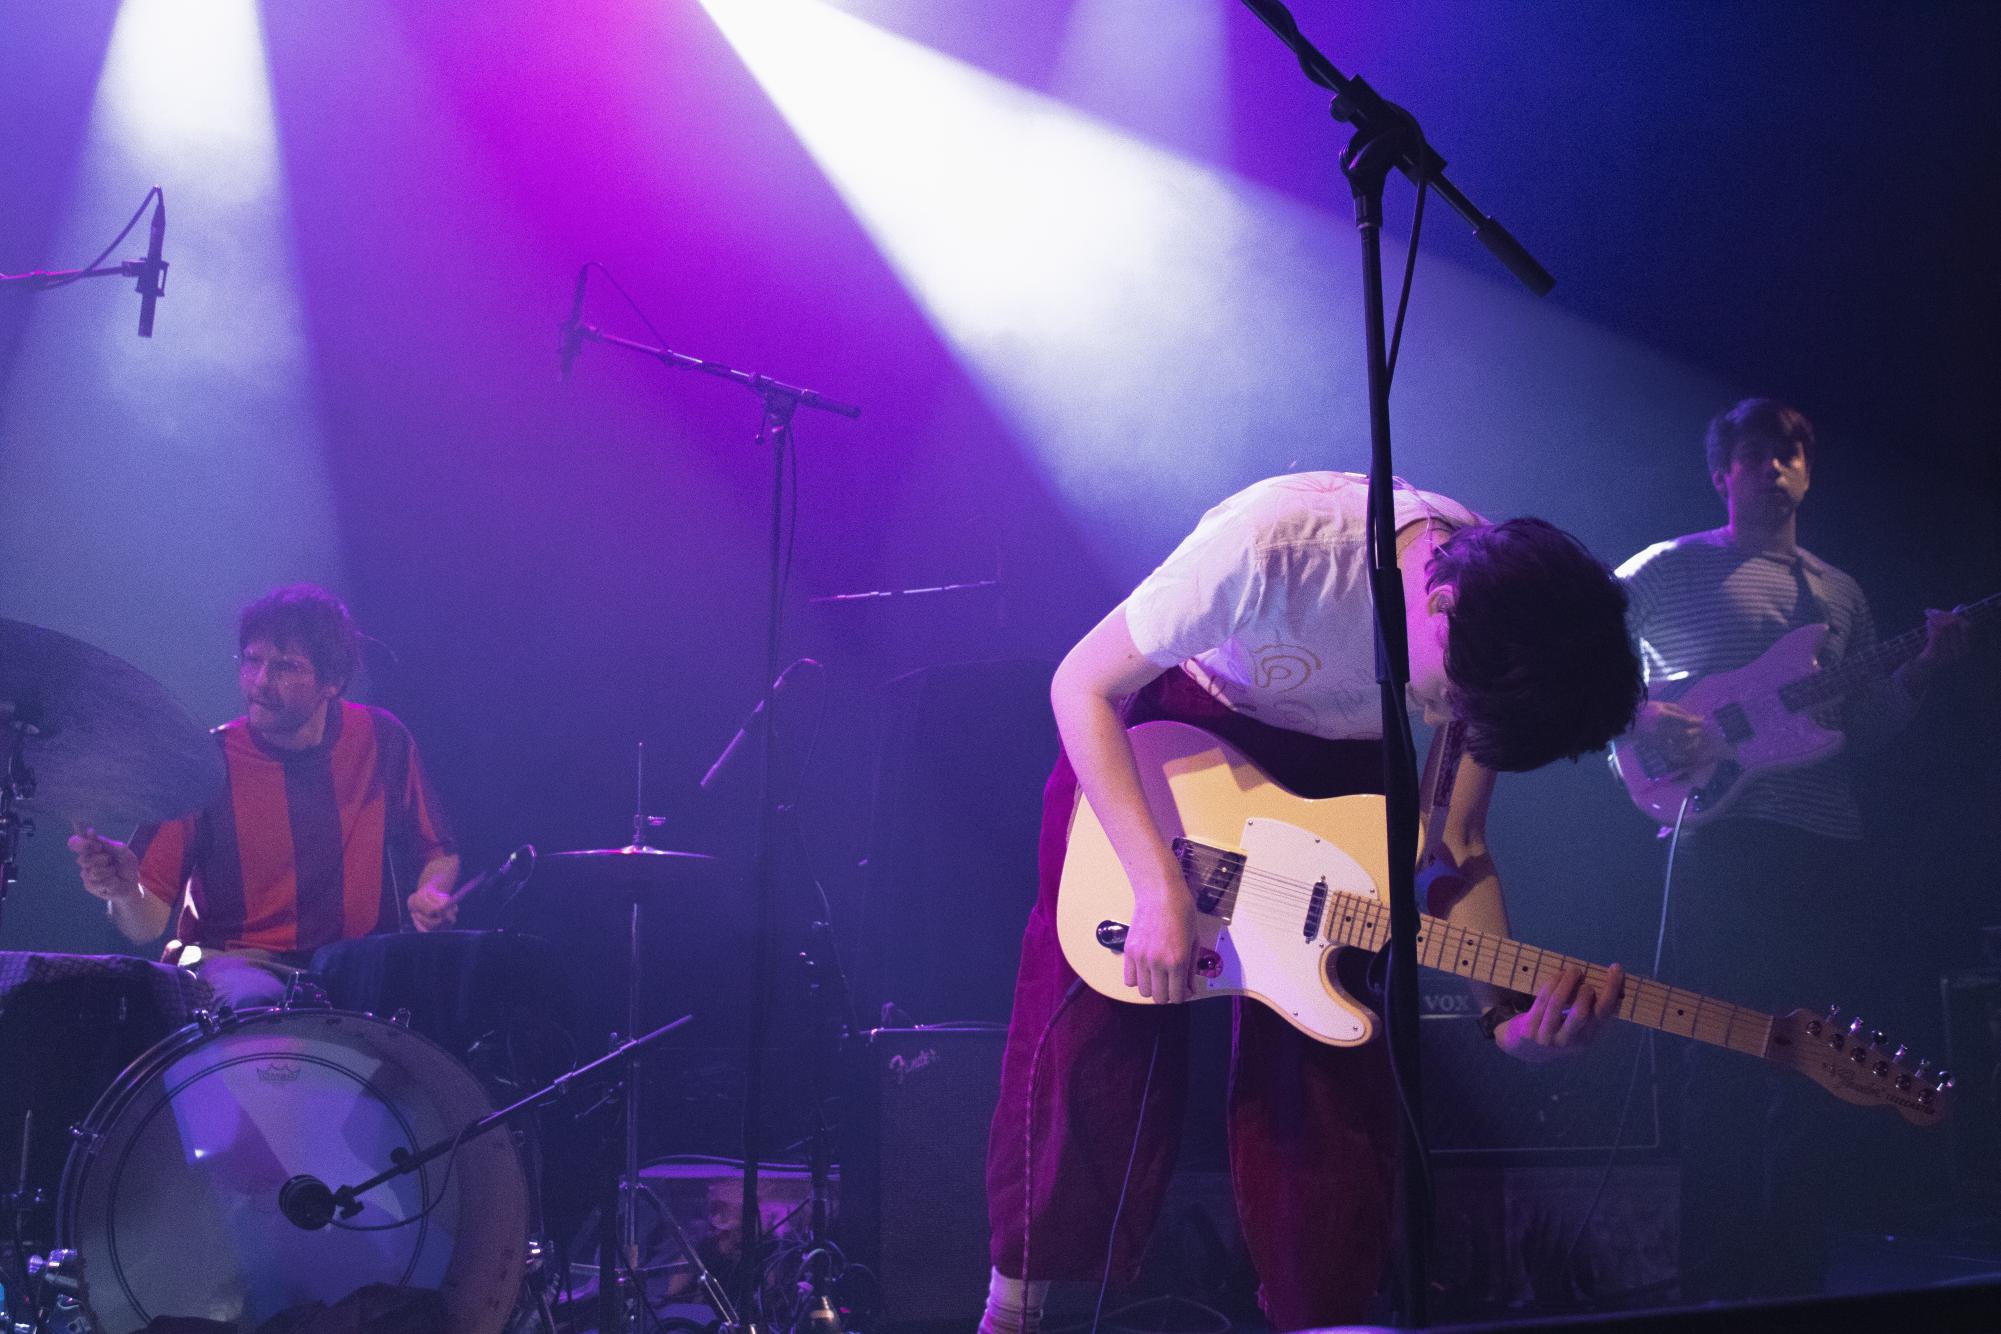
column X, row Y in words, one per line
column 1266, row 603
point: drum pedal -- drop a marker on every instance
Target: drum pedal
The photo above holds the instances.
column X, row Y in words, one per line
column 59, row 1277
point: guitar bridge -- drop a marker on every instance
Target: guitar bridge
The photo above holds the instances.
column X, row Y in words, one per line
column 1212, row 874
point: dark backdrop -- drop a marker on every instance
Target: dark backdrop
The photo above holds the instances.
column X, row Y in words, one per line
column 1769, row 198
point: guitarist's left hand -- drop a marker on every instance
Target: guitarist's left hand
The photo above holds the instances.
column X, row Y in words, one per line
column 1945, row 643
column 1565, row 1018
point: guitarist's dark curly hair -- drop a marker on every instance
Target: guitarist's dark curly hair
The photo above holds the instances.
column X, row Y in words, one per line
column 1539, row 661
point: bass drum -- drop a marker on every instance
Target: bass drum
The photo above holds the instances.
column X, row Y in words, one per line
column 170, row 1195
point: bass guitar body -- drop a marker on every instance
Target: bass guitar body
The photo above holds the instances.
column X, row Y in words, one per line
column 1752, row 730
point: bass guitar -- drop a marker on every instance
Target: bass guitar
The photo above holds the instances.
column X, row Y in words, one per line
column 1283, row 884
column 1766, row 715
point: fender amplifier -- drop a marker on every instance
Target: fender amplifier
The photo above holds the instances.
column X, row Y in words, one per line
column 913, row 1169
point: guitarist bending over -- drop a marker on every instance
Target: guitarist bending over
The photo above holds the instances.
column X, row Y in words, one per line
column 1750, row 885
column 1258, row 628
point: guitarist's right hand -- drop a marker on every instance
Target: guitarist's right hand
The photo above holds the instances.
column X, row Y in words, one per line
column 1160, row 943
column 1678, row 735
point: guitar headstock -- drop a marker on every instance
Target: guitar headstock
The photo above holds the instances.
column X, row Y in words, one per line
column 1858, row 1065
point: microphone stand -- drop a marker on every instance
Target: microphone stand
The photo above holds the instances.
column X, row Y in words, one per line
column 150, row 271
column 1387, row 136
column 780, row 402
column 344, row 1202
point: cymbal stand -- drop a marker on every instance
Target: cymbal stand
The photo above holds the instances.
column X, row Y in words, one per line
column 780, row 402
column 17, row 784
column 625, row 1202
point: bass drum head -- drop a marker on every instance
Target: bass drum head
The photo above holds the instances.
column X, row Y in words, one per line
column 171, row 1193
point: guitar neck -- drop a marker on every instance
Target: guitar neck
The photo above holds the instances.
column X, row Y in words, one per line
column 1513, row 966
column 1825, row 687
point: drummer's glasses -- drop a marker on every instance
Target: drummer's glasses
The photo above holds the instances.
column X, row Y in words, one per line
column 280, row 668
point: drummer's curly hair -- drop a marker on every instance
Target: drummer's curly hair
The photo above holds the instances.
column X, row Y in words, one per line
column 306, row 616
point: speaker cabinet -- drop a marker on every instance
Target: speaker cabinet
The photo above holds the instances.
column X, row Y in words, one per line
column 1973, row 1047
column 1479, row 1102
column 913, row 1169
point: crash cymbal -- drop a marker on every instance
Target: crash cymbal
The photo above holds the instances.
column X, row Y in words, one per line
column 105, row 742
column 628, row 870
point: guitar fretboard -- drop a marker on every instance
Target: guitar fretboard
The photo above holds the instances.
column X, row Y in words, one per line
column 1511, row 965
column 1824, row 687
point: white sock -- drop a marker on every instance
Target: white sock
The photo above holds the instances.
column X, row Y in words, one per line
column 1014, row 1305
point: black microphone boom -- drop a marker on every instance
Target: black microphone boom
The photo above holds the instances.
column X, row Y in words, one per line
column 153, row 271
column 573, row 328
column 804, row 666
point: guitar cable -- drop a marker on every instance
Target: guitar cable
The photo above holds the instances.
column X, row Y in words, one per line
column 1644, row 1051
column 1132, row 1157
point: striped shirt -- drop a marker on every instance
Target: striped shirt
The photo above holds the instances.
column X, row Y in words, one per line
column 304, row 847
column 1699, row 606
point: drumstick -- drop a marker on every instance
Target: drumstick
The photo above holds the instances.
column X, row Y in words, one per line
column 523, row 854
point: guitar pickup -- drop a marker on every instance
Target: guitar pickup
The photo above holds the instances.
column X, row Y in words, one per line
column 1736, row 723
column 1212, row 874
column 1316, row 908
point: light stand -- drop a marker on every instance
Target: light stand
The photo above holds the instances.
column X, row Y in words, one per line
column 1387, row 136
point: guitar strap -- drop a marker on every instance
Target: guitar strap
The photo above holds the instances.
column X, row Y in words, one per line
column 1441, row 769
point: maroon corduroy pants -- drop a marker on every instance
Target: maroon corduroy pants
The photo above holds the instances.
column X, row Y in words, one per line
column 1312, row 1128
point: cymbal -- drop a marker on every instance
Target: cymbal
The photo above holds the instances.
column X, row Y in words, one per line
column 632, row 870
column 106, row 742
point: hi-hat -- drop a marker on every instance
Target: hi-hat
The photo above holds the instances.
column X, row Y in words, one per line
column 632, row 870
column 105, row 742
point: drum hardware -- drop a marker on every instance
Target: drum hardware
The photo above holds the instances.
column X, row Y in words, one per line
column 631, row 875
column 303, row 992
column 17, row 784
column 305, row 1198
column 19, row 1204
column 62, row 1297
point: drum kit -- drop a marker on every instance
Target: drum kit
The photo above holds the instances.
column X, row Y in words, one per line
column 320, row 1165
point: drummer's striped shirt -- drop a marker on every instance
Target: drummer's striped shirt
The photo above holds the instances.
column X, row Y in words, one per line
column 302, row 848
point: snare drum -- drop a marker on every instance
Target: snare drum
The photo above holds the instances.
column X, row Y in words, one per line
column 170, row 1195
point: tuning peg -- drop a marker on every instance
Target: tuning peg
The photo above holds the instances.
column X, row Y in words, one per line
column 1856, row 1026
column 1876, row 1038
column 1924, row 1071
column 1944, row 1080
column 1897, row 1057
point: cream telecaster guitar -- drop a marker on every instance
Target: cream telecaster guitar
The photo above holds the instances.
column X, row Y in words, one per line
column 1763, row 716
column 1282, row 884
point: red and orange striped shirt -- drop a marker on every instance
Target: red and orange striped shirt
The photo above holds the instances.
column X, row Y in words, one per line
column 302, row 848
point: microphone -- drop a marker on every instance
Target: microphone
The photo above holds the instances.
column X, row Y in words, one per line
column 573, row 328
column 307, row 1203
column 804, row 667
column 511, row 873
column 153, row 270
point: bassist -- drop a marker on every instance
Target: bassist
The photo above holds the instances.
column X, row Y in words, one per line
column 1749, row 887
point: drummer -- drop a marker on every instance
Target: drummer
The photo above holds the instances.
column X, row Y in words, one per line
column 326, row 829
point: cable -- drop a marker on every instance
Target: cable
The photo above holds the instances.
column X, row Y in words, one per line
column 1410, row 256
column 1644, row 1050
column 1118, row 1210
column 636, row 308
column 451, row 1161
column 101, row 255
